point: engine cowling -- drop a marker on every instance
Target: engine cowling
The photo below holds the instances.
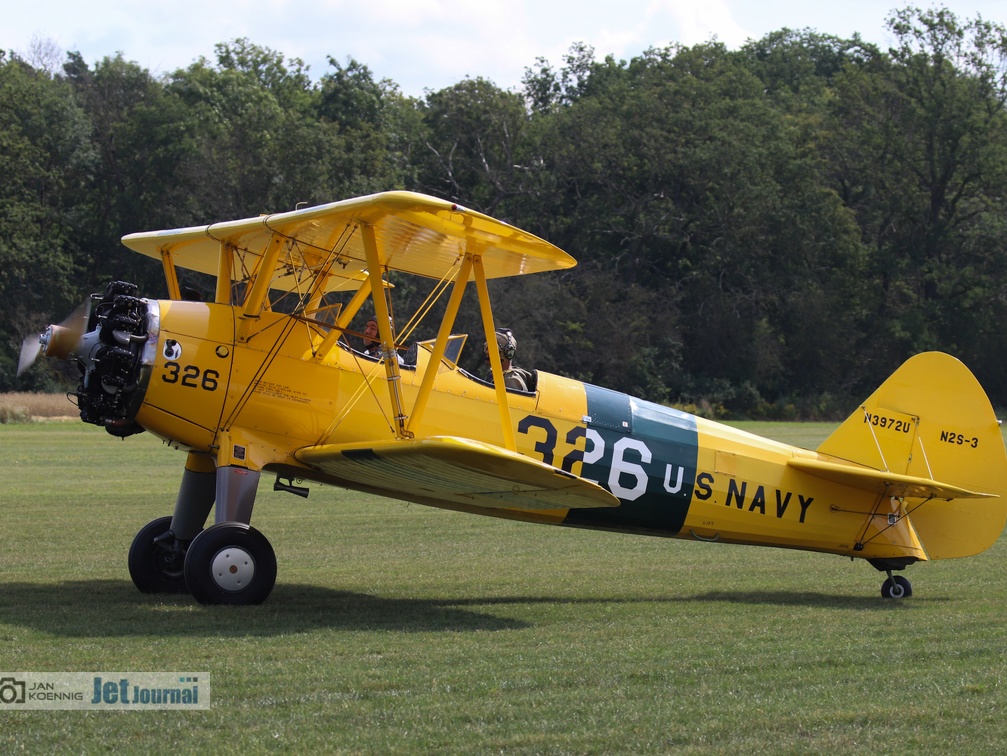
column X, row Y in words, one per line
column 114, row 357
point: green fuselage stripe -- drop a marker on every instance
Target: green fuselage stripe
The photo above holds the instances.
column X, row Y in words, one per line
column 643, row 453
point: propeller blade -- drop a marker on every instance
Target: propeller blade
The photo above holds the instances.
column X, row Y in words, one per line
column 56, row 340
column 75, row 324
column 31, row 348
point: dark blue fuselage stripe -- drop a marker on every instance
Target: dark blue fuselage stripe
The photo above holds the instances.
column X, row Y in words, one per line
column 643, row 453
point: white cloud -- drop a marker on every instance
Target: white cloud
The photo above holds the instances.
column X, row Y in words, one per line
column 694, row 22
column 435, row 43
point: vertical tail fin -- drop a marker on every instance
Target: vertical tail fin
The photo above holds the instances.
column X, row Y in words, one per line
column 932, row 419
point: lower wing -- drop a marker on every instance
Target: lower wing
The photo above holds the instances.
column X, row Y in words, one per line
column 456, row 470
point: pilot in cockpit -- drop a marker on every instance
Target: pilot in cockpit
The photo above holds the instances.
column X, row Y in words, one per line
column 514, row 377
column 372, row 341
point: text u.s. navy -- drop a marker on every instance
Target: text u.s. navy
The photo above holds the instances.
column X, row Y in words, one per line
column 736, row 494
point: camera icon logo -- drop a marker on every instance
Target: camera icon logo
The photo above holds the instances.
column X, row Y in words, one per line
column 11, row 690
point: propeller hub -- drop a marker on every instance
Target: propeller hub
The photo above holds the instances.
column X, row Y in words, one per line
column 113, row 350
column 59, row 341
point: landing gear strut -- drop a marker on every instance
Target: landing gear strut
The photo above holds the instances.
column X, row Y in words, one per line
column 228, row 563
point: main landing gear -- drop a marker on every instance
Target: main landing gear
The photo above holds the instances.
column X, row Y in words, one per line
column 229, row 562
column 157, row 559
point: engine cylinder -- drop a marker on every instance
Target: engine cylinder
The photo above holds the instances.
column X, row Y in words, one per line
column 111, row 357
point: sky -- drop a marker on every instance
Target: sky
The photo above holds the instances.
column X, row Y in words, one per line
column 433, row 44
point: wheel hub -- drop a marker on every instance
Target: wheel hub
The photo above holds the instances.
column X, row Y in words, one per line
column 169, row 557
column 232, row 569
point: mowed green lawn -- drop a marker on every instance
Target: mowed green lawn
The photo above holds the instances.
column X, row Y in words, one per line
column 402, row 629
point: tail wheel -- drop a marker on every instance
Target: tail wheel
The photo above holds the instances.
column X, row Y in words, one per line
column 896, row 587
column 230, row 563
column 156, row 559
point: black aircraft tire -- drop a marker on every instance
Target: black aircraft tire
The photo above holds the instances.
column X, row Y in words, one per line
column 230, row 563
column 153, row 566
column 896, row 587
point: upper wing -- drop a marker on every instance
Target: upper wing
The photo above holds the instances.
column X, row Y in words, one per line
column 455, row 470
column 416, row 234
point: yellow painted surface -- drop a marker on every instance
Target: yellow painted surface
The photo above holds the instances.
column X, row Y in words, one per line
column 248, row 386
column 954, row 438
column 747, row 493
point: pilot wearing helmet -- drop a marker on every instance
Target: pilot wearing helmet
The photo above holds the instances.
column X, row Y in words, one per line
column 514, row 376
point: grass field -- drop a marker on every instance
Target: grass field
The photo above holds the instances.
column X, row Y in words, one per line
column 403, row 629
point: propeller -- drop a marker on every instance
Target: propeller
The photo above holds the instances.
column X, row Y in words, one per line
column 57, row 340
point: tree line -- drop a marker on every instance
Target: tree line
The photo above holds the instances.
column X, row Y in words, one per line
column 761, row 232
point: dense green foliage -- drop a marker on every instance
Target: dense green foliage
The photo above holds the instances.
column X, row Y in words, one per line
column 766, row 232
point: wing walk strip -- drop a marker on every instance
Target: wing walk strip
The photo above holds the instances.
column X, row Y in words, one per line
column 458, row 470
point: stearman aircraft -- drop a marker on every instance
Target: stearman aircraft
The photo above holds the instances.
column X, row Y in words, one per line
column 265, row 379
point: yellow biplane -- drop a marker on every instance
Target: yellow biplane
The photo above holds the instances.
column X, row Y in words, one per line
column 265, row 379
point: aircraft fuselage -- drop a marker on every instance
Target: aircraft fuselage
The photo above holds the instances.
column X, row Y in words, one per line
column 253, row 403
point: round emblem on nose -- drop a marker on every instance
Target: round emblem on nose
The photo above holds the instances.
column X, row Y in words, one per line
column 172, row 349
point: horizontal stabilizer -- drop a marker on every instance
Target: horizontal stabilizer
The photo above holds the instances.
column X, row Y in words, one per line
column 885, row 483
column 455, row 470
